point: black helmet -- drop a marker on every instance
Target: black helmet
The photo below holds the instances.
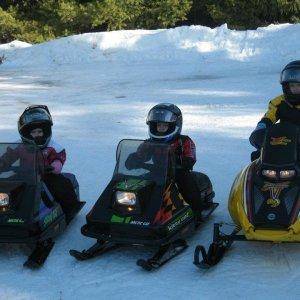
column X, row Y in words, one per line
column 164, row 113
column 290, row 74
column 35, row 116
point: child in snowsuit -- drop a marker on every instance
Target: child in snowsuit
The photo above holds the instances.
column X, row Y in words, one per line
column 165, row 124
column 285, row 108
column 34, row 127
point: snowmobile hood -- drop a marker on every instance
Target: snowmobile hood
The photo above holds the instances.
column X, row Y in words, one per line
column 7, row 187
column 240, row 211
column 133, row 185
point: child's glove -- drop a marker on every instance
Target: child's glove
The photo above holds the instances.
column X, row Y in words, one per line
column 257, row 136
column 133, row 162
column 2, row 166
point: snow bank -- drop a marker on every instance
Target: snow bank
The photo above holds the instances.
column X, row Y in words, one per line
column 270, row 47
column 13, row 46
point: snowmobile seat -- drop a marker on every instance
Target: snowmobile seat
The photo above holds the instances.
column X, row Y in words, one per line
column 204, row 188
column 72, row 178
column 202, row 179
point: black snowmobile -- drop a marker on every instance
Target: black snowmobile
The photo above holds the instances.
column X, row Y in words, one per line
column 142, row 206
column 264, row 199
column 29, row 213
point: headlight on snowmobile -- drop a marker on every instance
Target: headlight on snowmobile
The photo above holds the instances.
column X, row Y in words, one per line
column 4, row 201
column 284, row 174
column 125, row 198
column 269, row 173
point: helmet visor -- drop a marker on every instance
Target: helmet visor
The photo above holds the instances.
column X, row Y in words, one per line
column 290, row 75
column 161, row 116
column 35, row 115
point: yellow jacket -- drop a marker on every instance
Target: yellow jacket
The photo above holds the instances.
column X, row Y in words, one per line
column 271, row 115
column 279, row 109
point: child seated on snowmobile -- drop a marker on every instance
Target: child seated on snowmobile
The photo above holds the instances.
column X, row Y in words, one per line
column 34, row 127
column 285, row 107
column 165, row 123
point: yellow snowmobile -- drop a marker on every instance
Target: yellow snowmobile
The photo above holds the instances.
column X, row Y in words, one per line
column 264, row 199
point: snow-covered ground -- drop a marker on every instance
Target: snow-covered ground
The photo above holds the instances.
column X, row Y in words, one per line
column 99, row 88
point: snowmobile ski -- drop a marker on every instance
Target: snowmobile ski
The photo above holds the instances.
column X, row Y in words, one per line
column 163, row 255
column 39, row 254
column 97, row 249
column 217, row 249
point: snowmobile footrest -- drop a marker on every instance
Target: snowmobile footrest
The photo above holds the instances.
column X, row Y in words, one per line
column 39, row 254
column 97, row 249
column 75, row 211
column 207, row 212
column 163, row 255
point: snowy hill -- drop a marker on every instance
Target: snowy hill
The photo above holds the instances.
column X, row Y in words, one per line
column 99, row 88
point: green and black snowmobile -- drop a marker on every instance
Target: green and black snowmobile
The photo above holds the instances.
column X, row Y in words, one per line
column 142, row 206
column 29, row 213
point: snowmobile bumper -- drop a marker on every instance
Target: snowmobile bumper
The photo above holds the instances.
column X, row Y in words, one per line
column 142, row 235
column 292, row 234
column 18, row 233
column 31, row 235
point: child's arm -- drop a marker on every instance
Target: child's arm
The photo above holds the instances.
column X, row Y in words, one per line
column 9, row 157
column 58, row 162
column 269, row 118
column 56, row 157
column 188, row 153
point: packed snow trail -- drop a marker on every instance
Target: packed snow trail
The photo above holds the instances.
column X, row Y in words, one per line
column 99, row 88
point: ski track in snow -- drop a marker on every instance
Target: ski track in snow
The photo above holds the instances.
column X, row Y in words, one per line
column 99, row 88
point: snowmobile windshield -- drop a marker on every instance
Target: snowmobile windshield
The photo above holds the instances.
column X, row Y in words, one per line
column 142, row 159
column 280, row 145
column 161, row 115
column 20, row 162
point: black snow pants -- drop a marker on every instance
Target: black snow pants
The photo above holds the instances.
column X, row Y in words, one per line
column 63, row 191
column 188, row 186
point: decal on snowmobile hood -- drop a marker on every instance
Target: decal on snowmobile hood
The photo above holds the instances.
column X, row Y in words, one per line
column 282, row 140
